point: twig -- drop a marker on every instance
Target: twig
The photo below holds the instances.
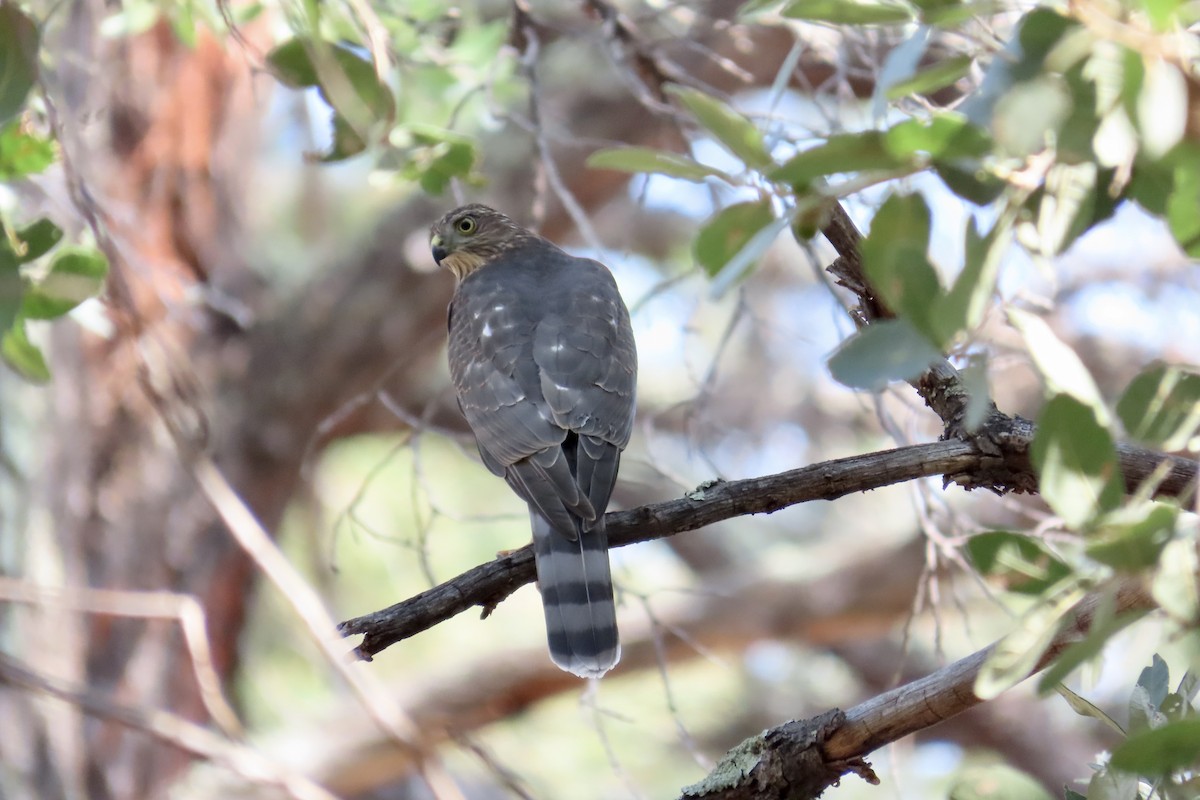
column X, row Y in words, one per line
column 171, row 728
column 182, row 608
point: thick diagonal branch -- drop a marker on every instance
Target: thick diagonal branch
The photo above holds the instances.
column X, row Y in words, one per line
column 799, row 760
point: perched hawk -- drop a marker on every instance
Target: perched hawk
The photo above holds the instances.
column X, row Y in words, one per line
column 543, row 361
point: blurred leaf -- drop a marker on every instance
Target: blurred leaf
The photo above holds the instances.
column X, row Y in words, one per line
column 18, row 60
column 1016, row 656
column 810, row 216
column 23, row 153
column 1161, row 406
column 1021, row 562
column 748, row 256
column 996, row 782
column 1131, row 544
column 1174, row 587
column 75, row 275
column 22, row 355
column 849, row 152
column 478, row 45
column 39, row 238
column 1161, row 13
column 1156, row 680
column 1189, row 685
column 1058, row 364
column 727, row 232
column 1162, row 107
column 1104, row 627
column 970, row 182
column 347, row 82
column 1075, row 461
column 963, row 307
column 739, row 135
column 1183, row 206
column 850, row 12
column 12, row 292
column 1067, row 206
column 896, row 264
column 1071, row 794
column 931, row 79
column 1109, row 784
column 1160, row 751
column 944, row 136
column 1085, row 708
column 884, row 351
column 975, row 380
column 1028, row 115
column 644, row 159
column 1143, row 713
column 900, row 64
column 440, row 156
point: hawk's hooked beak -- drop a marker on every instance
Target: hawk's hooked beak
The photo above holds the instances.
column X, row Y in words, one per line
column 439, row 252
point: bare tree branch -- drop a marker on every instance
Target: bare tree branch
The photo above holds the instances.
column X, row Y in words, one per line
column 799, row 760
column 488, row 584
column 170, row 728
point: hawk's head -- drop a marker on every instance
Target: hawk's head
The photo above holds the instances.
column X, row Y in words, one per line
column 471, row 236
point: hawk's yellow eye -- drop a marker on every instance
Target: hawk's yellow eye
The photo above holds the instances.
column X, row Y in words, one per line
column 465, row 225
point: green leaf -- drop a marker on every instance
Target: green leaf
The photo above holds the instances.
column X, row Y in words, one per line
column 1156, row 680
column 1021, row 562
column 896, row 264
column 931, row 79
column 1183, row 206
column 1161, row 406
column 1103, row 628
column 849, row 152
column 644, row 159
column 12, row 293
column 1014, row 657
column 1132, row 538
column 1161, row 12
column 1109, row 784
column 1160, row 751
column 1174, row 587
column 946, row 136
column 1085, row 708
column 22, row 355
column 37, row 239
column 1027, row 117
column 996, row 782
column 970, row 181
column 23, row 153
column 884, row 351
column 1075, row 461
column 438, row 157
column 347, row 82
column 728, row 231
column 1073, row 199
column 850, row 12
column 963, row 307
column 739, row 135
column 18, row 60
column 75, row 274
column 1058, row 364
column 747, row 257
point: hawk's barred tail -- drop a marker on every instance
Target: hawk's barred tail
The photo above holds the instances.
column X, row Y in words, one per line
column 577, row 596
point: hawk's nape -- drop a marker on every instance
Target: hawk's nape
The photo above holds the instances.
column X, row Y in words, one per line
column 544, row 365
